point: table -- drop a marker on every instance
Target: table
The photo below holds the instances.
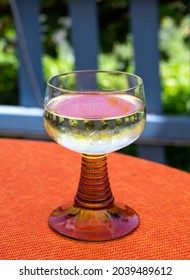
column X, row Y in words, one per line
column 38, row 176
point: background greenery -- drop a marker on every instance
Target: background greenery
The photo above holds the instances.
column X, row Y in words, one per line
column 116, row 52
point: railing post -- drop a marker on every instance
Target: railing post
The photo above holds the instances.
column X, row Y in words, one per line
column 145, row 26
column 84, row 33
column 29, row 51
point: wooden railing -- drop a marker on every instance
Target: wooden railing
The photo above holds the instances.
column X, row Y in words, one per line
column 26, row 120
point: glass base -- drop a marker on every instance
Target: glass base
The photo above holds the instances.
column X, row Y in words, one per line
column 94, row 225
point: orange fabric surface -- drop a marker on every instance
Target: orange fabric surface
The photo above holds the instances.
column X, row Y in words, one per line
column 37, row 176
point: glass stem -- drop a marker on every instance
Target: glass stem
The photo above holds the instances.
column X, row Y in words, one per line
column 94, row 190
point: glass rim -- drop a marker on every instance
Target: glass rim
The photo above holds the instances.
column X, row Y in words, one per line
column 138, row 78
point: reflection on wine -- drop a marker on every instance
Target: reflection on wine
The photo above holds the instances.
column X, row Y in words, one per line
column 95, row 123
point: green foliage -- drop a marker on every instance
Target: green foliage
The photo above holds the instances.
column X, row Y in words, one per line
column 63, row 62
column 121, row 58
column 8, row 59
column 175, row 69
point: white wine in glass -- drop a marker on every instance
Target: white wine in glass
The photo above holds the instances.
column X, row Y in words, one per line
column 94, row 113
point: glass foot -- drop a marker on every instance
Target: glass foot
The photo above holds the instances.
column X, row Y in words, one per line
column 94, row 225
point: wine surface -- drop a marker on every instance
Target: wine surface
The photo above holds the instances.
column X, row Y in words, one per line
column 94, row 123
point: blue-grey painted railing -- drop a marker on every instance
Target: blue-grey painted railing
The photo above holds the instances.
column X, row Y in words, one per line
column 31, row 84
column 144, row 25
column 84, row 33
column 26, row 120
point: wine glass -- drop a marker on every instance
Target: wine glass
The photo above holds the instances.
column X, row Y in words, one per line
column 94, row 113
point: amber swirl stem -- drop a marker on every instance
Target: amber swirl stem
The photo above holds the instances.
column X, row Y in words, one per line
column 94, row 190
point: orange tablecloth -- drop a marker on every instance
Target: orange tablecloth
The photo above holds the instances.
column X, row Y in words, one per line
column 36, row 177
